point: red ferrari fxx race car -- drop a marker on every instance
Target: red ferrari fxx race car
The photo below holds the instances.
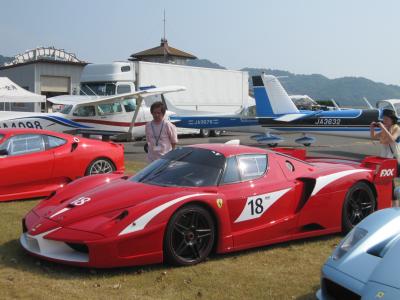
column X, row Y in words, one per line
column 204, row 198
column 35, row 163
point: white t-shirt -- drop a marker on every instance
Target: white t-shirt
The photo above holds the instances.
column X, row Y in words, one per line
column 160, row 138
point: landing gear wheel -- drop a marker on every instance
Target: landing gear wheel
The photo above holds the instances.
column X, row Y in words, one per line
column 190, row 236
column 359, row 203
column 100, row 166
column 146, row 148
column 204, row 133
column 307, row 144
column 273, row 145
column 215, row 133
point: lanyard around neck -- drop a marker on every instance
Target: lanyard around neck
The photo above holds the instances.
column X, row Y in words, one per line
column 157, row 139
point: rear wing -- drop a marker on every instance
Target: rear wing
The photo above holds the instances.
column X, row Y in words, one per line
column 293, row 152
column 385, row 169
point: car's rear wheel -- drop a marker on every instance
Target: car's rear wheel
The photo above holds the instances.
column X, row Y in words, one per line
column 190, row 236
column 360, row 202
column 100, row 166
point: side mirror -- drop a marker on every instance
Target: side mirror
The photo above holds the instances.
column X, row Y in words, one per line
column 3, row 152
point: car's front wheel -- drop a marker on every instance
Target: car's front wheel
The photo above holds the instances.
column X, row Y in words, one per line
column 190, row 236
column 360, row 202
column 100, row 166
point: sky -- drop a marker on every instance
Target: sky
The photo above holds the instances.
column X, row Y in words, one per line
column 334, row 38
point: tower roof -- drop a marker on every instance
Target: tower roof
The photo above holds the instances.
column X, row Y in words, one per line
column 163, row 50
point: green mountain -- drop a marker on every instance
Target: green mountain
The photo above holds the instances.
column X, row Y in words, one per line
column 346, row 91
column 4, row 59
column 204, row 63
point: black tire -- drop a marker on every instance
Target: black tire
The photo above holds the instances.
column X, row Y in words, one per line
column 100, row 166
column 204, row 133
column 307, row 144
column 273, row 145
column 146, row 148
column 215, row 133
column 360, row 202
column 190, row 236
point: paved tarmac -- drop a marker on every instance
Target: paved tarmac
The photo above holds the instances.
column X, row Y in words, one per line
column 324, row 146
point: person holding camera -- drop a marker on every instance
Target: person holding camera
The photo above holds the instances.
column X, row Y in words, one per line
column 388, row 135
column 388, row 138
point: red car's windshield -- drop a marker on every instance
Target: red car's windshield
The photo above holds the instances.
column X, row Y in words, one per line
column 184, row 167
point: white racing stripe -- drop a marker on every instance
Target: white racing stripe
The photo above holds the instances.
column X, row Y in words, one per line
column 60, row 212
column 327, row 179
column 257, row 205
column 142, row 221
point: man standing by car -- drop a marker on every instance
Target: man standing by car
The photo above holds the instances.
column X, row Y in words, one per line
column 161, row 134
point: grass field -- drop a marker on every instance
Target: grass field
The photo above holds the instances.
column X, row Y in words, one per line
column 284, row 271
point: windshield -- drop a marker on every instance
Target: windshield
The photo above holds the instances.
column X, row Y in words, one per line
column 98, row 88
column 187, row 166
column 66, row 109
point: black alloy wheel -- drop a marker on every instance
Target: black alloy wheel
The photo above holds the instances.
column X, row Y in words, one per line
column 359, row 203
column 190, row 236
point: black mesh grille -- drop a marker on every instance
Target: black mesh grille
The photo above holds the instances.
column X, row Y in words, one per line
column 339, row 292
column 79, row 247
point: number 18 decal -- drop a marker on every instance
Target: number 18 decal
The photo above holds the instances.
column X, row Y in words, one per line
column 257, row 205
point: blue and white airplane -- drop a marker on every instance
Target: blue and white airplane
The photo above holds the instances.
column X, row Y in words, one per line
column 277, row 114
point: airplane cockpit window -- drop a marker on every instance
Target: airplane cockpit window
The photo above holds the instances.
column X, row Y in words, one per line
column 98, row 88
column 249, row 112
column 66, row 109
column 109, row 108
column 385, row 105
column 397, row 108
column 85, row 111
column 123, row 89
column 382, row 105
column 129, row 105
column 23, row 144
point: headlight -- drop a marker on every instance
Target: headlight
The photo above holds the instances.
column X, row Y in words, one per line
column 348, row 242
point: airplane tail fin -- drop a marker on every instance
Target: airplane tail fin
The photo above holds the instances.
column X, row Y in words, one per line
column 271, row 97
column 172, row 107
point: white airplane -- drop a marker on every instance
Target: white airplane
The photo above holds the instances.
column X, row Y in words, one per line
column 124, row 115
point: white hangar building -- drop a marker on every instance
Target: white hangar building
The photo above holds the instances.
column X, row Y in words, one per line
column 46, row 71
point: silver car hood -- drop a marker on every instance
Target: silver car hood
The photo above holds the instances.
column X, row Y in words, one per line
column 364, row 261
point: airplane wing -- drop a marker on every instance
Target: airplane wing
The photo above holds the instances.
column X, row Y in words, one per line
column 66, row 100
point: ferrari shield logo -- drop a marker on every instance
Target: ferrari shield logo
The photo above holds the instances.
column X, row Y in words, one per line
column 379, row 295
column 219, row 202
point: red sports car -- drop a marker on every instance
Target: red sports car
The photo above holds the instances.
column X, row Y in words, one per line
column 34, row 163
column 203, row 198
